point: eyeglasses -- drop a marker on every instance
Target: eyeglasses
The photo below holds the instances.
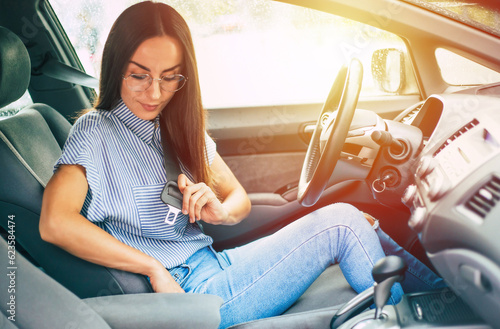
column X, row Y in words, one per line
column 141, row 82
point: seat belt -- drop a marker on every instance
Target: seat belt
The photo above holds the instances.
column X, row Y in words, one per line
column 62, row 72
column 171, row 195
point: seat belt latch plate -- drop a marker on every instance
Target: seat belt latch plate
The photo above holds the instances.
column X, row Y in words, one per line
column 175, row 212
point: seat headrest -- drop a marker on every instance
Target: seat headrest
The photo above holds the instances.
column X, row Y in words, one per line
column 15, row 67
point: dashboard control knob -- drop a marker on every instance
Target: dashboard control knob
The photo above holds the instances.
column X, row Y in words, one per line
column 416, row 220
column 409, row 195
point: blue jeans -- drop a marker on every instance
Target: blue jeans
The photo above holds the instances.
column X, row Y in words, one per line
column 418, row 277
column 265, row 277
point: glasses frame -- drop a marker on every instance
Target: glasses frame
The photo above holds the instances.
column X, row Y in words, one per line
column 181, row 82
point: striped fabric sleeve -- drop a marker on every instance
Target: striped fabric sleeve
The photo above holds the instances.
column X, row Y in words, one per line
column 77, row 149
column 211, row 149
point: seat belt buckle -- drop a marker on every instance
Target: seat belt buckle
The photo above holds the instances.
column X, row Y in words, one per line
column 174, row 212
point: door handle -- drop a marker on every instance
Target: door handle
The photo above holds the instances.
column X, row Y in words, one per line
column 306, row 130
column 309, row 129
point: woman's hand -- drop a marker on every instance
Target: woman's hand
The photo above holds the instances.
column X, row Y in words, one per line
column 229, row 206
column 162, row 281
column 200, row 202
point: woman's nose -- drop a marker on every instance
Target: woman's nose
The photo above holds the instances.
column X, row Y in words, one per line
column 155, row 89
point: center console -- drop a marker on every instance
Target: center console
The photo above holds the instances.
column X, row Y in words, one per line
column 435, row 309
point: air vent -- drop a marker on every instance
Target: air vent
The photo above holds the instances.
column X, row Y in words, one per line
column 410, row 116
column 457, row 134
column 485, row 199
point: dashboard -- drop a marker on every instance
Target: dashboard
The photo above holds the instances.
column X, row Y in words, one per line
column 455, row 194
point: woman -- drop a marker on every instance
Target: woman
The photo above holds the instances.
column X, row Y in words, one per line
column 103, row 202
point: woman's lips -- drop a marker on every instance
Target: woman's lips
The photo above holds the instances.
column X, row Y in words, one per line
column 148, row 107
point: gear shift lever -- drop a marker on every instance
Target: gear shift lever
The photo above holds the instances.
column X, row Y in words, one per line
column 386, row 272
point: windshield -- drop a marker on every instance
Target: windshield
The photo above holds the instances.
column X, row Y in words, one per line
column 483, row 16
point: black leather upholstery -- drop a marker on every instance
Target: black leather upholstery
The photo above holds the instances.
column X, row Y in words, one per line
column 30, row 144
column 5, row 323
column 15, row 67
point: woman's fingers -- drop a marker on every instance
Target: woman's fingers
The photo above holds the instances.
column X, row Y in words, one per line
column 183, row 181
column 199, row 200
column 187, row 192
column 164, row 282
column 195, row 198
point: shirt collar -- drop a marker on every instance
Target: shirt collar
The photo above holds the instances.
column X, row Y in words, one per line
column 144, row 129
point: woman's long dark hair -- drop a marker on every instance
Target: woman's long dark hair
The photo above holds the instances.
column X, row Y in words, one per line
column 184, row 115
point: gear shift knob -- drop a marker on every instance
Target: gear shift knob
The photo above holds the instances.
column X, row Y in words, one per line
column 388, row 267
column 386, row 272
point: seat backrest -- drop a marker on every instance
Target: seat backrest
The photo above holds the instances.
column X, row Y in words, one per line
column 30, row 143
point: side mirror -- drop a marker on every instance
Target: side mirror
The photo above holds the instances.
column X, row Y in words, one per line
column 388, row 69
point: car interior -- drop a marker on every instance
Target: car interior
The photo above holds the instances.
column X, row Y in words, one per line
column 425, row 164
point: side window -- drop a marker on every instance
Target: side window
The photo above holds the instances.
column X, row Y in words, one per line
column 254, row 52
column 460, row 71
column 15, row 107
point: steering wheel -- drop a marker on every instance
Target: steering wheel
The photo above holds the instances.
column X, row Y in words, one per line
column 330, row 133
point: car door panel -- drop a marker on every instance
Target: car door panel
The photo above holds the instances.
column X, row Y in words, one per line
column 267, row 173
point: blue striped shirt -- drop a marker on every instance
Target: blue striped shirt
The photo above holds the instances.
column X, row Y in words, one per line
column 123, row 158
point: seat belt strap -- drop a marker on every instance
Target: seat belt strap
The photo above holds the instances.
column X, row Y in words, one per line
column 171, row 195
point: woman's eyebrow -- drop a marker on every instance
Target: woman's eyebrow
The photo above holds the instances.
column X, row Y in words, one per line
column 147, row 69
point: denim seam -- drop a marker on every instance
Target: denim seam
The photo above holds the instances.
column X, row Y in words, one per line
column 292, row 251
column 411, row 271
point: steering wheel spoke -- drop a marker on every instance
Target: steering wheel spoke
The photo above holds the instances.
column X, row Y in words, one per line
column 325, row 147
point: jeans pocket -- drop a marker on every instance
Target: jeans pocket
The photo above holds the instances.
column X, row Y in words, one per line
column 152, row 213
column 222, row 258
column 180, row 273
